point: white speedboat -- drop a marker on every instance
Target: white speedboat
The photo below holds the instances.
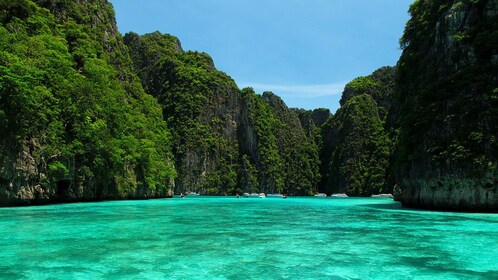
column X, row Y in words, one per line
column 274, row 195
column 193, row 194
column 386, row 195
column 339, row 195
column 250, row 195
column 321, row 195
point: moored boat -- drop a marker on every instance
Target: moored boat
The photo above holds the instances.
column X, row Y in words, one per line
column 250, row 195
column 254, row 195
column 339, row 195
column 320, row 195
column 385, row 195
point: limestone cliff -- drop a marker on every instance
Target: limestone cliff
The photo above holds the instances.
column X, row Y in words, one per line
column 277, row 155
column 71, row 110
column 379, row 85
column 201, row 106
column 312, row 119
column 355, row 142
column 447, row 99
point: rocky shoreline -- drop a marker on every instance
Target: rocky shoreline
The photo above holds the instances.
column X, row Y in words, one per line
column 453, row 196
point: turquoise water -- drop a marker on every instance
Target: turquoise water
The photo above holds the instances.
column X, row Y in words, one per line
column 245, row 238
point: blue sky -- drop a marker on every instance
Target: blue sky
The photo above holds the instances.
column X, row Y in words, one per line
column 303, row 50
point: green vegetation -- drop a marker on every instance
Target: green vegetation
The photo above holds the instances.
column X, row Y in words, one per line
column 356, row 143
column 360, row 157
column 225, row 140
column 79, row 117
column 263, row 126
column 77, row 123
column 447, row 97
column 379, row 85
column 200, row 106
column 314, row 124
column 287, row 160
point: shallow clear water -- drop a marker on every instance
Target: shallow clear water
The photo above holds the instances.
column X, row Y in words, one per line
column 245, row 238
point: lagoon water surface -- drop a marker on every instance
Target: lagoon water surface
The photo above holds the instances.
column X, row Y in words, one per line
column 245, row 238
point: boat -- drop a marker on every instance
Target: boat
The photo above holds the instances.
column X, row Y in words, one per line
column 193, row 194
column 274, row 195
column 320, row 195
column 254, row 195
column 385, row 195
column 339, row 195
column 250, row 195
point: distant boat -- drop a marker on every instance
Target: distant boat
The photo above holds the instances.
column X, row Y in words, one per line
column 339, row 195
column 254, row 195
column 250, row 195
column 321, row 195
column 193, row 194
column 274, row 195
column 386, row 195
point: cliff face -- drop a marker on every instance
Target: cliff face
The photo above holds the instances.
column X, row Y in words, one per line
column 379, row 85
column 277, row 155
column 311, row 120
column 77, row 125
column 451, row 194
column 71, row 110
column 448, row 103
column 298, row 150
column 356, row 141
column 225, row 140
column 201, row 106
column 359, row 149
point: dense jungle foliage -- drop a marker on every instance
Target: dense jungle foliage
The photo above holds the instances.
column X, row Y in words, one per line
column 360, row 157
column 286, row 158
column 86, row 114
column 448, row 94
column 70, row 102
column 356, row 143
column 225, row 140
column 200, row 105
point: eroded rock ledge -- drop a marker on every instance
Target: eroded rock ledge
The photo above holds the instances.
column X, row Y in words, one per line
column 451, row 195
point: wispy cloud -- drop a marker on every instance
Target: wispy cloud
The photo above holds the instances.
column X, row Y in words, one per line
column 299, row 90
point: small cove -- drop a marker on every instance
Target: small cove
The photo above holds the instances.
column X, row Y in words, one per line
column 245, row 238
